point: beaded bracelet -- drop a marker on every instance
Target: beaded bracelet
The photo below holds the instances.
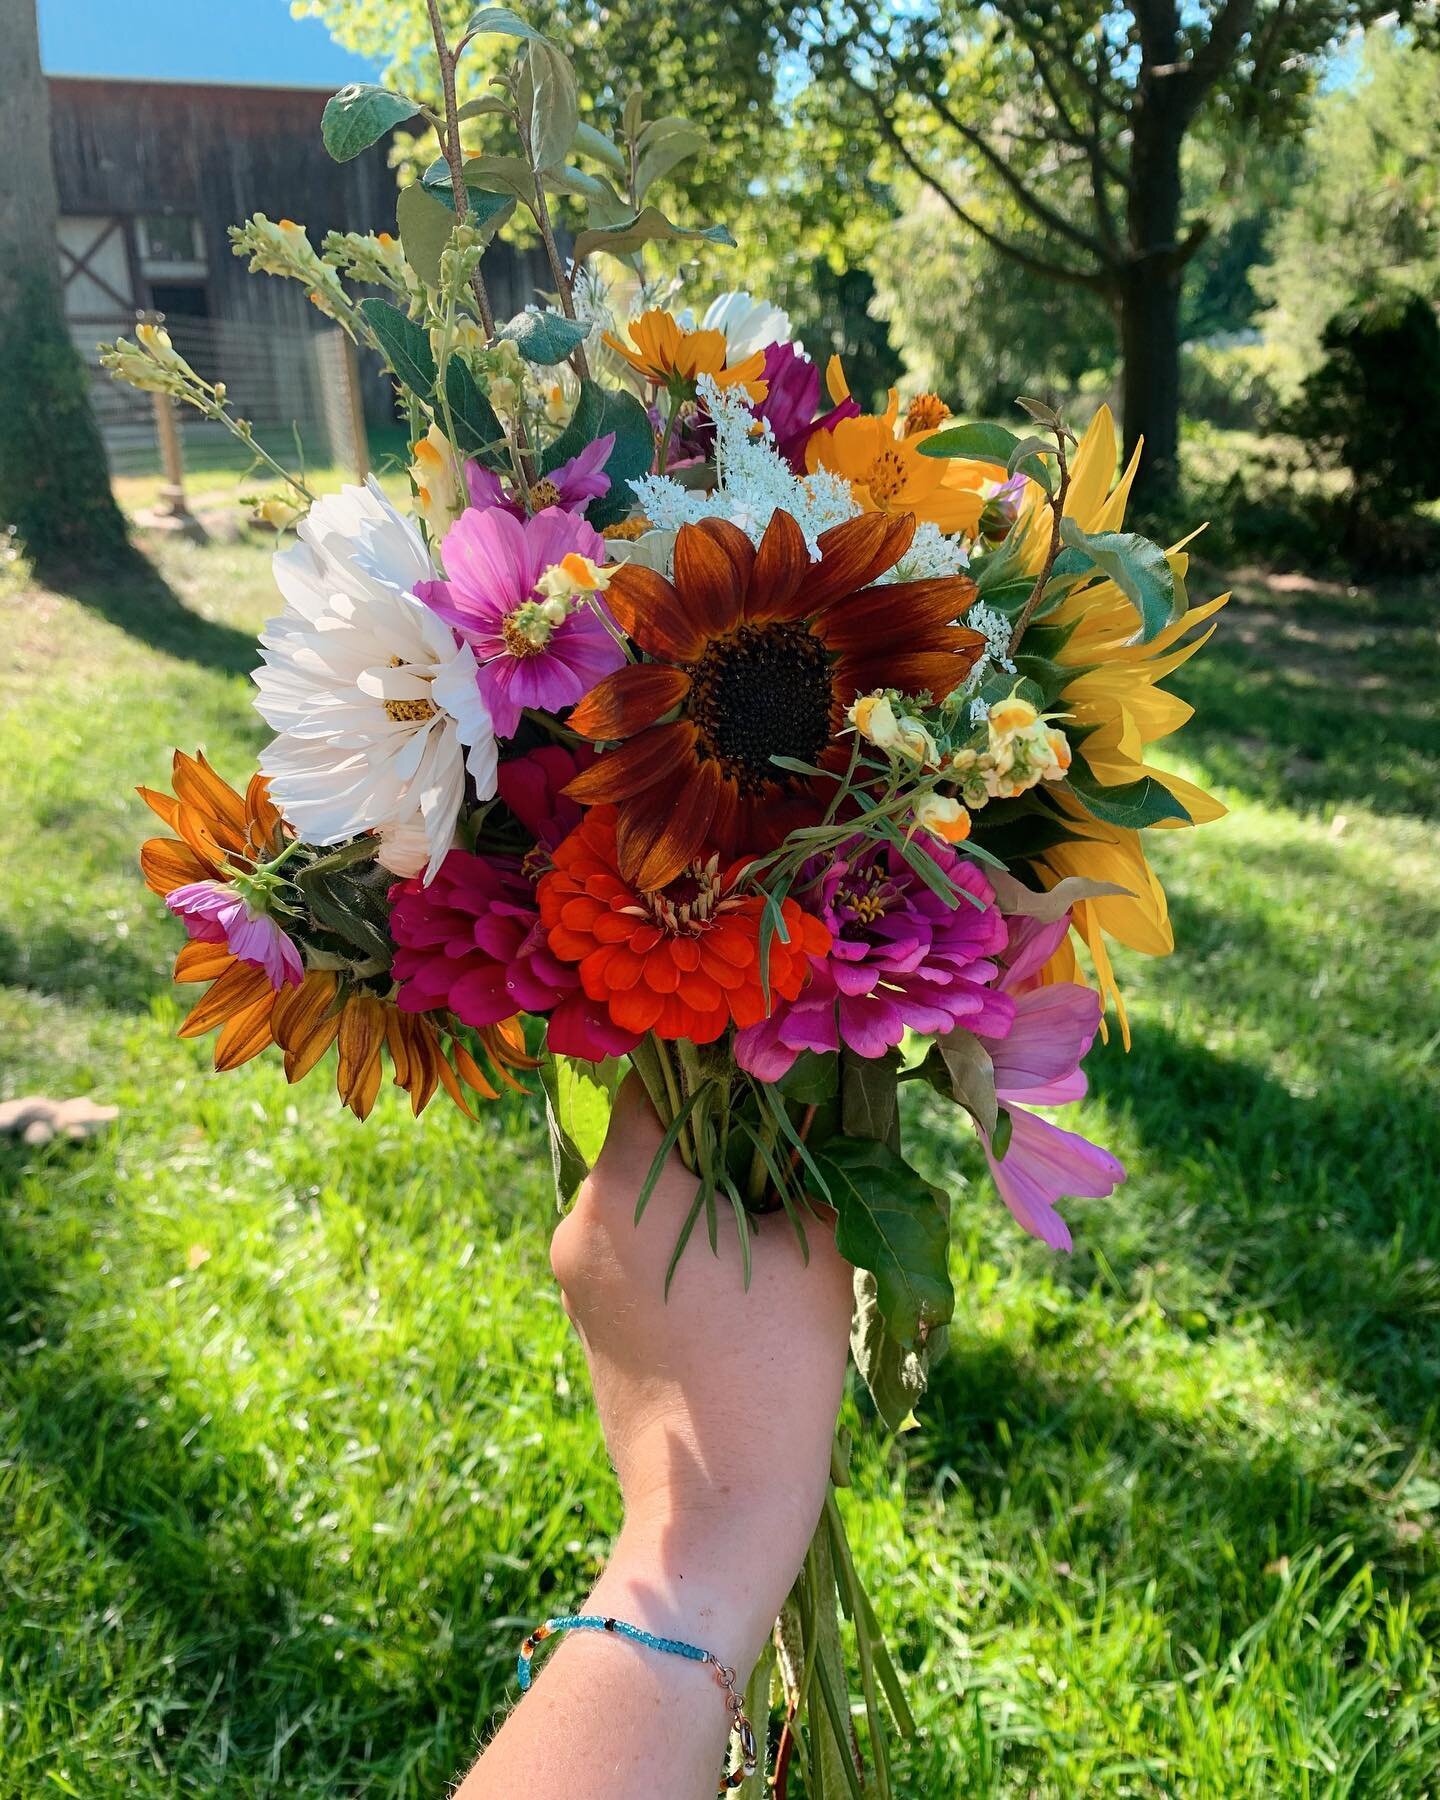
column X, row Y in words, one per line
column 739, row 1725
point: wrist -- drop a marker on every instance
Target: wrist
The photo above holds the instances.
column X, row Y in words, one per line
column 697, row 1581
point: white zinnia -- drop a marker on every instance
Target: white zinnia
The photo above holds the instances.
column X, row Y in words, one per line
column 374, row 700
column 749, row 324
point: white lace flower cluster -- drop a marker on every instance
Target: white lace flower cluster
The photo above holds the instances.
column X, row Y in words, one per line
column 994, row 627
column 753, row 480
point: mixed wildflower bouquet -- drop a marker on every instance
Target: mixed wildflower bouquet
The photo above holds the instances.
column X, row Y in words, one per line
column 693, row 720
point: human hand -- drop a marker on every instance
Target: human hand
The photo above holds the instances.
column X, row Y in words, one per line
column 718, row 1405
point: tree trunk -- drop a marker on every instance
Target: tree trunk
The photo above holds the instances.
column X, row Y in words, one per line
column 54, row 484
column 1150, row 383
column 1150, row 284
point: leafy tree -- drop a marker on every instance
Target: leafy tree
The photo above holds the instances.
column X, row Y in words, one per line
column 974, row 331
column 1373, row 404
column 1367, row 213
column 54, row 484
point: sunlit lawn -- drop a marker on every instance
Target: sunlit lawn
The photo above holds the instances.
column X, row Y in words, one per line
column 293, row 1439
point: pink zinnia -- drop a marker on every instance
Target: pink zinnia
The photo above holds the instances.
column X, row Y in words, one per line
column 1037, row 1063
column 471, row 943
column 216, row 913
column 493, row 562
column 900, row 958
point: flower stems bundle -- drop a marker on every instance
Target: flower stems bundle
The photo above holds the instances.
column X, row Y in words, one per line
column 688, row 720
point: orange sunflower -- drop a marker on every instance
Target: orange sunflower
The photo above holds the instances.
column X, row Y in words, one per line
column 757, row 654
column 662, row 351
column 217, row 832
column 682, row 961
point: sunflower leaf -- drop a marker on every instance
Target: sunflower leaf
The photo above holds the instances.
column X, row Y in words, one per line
column 1131, row 804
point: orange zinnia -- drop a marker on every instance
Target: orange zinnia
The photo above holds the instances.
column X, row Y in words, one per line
column 663, row 352
column 217, row 832
column 757, row 654
column 682, row 961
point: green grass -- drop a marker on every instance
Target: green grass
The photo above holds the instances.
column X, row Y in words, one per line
column 293, row 1437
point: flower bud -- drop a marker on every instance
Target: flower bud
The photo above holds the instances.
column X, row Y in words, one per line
column 945, row 817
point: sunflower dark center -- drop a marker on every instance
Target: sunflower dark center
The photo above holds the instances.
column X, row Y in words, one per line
column 759, row 692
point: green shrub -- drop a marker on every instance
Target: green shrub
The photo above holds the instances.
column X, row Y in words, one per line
column 1373, row 405
column 1237, row 386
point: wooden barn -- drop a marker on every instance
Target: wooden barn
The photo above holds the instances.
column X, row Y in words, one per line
column 150, row 175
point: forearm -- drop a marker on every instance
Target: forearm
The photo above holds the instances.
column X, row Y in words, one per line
column 608, row 1719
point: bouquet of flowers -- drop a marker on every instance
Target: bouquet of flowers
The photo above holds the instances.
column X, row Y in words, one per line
column 694, row 721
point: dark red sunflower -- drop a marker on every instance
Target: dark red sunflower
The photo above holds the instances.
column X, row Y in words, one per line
column 756, row 653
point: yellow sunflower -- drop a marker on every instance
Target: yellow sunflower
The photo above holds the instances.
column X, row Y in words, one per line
column 1116, row 693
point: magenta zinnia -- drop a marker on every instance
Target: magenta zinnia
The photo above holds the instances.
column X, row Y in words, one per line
column 900, row 959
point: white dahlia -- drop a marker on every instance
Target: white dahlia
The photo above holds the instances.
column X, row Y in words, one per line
column 372, row 696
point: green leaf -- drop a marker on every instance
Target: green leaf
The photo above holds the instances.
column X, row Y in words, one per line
column 502, row 22
column 500, row 175
column 968, row 1078
column 579, row 1097
column 485, row 106
column 813, row 1078
column 425, row 227
column 1137, row 566
column 648, row 226
column 544, row 337
column 403, row 344
column 567, row 179
column 981, row 442
column 895, row 1225
column 1133, row 804
column 896, row 1376
column 488, row 211
column 598, row 411
column 662, row 145
column 593, row 143
column 549, row 104
column 477, row 430
column 353, row 904
column 360, row 115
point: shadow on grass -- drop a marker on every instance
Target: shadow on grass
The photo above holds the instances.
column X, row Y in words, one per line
column 134, row 596
column 59, row 961
column 283, row 1666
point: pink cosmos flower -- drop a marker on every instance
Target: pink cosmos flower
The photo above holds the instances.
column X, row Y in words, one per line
column 493, row 562
column 471, row 943
column 1037, row 1063
column 216, row 913
column 575, row 483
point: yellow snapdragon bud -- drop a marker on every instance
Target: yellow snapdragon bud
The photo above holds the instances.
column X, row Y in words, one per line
column 897, row 734
column 438, row 491
column 1013, row 714
column 947, row 819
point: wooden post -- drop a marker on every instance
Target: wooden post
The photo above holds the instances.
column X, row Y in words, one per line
column 344, row 403
column 355, row 398
column 172, row 505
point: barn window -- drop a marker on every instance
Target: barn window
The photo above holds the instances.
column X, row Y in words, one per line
column 170, row 244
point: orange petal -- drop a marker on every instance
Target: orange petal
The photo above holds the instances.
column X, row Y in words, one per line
column 937, row 672
column 894, row 614
column 239, row 987
column 220, row 808
column 164, row 804
column 622, row 773
column 471, row 1072
column 655, row 844
column 649, row 610
column 362, row 1032
column 167, row 865
column 623, row 704
column 709, row 578
column 244, row 1036
column 199, row 961
column 781, row 563
column 851, row 556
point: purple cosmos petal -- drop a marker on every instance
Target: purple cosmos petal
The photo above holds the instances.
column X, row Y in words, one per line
column 1044, row 1164
column 583, row 477
column 1053, row 1029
